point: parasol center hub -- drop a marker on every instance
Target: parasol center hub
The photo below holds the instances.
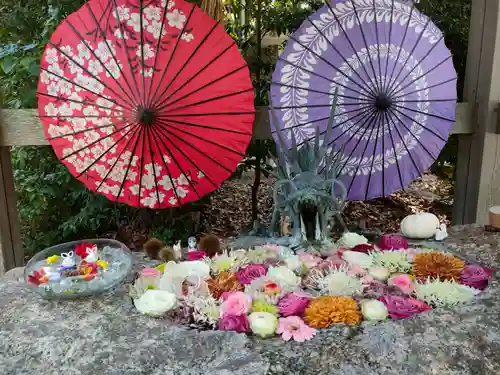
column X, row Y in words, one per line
column 146, row 116
column 383, row 102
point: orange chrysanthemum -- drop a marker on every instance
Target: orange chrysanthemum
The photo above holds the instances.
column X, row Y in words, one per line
column 325, row 311
column 437, row 265
column 224, row 282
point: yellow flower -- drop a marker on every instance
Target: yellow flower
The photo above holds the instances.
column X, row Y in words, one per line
column 53, row 259
column 103, row 264
column 161, row 268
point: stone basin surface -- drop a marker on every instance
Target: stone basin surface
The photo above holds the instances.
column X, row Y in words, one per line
column 104, row 335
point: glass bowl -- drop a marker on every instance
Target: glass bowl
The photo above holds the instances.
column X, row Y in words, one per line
column 79, row 268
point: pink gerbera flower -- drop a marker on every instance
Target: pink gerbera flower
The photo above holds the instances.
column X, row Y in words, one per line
column 294, row 328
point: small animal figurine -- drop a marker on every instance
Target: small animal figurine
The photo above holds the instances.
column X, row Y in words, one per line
column 210, row 244
column 92, row 256
column 68, row 260
column 178, row 250
column 441, row 233
column 192, row 244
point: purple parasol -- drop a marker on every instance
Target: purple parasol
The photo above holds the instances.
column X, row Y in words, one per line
column 396, row 91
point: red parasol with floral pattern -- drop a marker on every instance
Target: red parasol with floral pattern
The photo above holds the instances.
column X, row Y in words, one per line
column 146, row 102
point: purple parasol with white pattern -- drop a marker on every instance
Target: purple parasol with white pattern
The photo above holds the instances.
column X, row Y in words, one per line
column 396, row 91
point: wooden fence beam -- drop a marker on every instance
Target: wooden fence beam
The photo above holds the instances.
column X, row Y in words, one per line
column 478, row 167
column 11, row 248
column 23, row 128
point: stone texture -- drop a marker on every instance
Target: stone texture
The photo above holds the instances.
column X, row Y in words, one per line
column 104, row 335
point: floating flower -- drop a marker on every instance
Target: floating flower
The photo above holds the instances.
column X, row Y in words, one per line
column 333, row 261
column 196, row 255
column 105, row 265
column 379, row 273
column 293, row 304
column 350, row 240
column 354, row 258
column 374, row 310
column 265, row 288
column 263, row 324
column 394, row 261
column 81, row 249
column 53, row 259
column 222, row 263
column 224, row 282
column 234, row 323
column 237, row 303
column 285, row 277
column 376, row 290
column 325, row 311
column 444, row 293
column 475, row 276
column 403, row 307
column 437, row 265
column 38, row 277
column 403, row 283
column 155, row 303
column 262, row 306
column 294, row 328
column 251, row 272
column 391, row 242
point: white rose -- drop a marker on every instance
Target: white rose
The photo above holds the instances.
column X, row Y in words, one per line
column 263, row 324
column 350, row 240
column 379, row 273
column 355, row 258
column 284, row 276
column 155, row 303
column 374, row 310
column 293, row 262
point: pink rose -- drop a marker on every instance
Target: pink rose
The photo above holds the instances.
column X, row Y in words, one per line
column 234, row 323
column 250, row 273
column 363, row 248
column 402, row 307
column 238, row 303
column 309, row 260
column 402, row 282
column 293, row 304
column 196, row 255
column 391, row 242
column 377, row 289
column 475, row 276
column 332, row 262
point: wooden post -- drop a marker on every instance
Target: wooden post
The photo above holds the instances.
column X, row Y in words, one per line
column 11, row 249
column 478, row 167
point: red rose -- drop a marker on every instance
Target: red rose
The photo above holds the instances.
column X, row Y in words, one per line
column 196, row 255
column 363, row 248
column 390, row 242
column 475, row 276
column 234, row 323
column 81, row 250
column 402, row 307
column 250, row 273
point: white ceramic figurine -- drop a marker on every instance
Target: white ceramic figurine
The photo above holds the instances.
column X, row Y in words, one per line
column 441, row 233
column 92, row 256
column 68, row 259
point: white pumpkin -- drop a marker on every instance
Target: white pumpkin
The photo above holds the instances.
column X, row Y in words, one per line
column 420, row 226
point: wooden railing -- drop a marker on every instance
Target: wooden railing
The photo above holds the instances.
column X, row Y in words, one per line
column 23, row 128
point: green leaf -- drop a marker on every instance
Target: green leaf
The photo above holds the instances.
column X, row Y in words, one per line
column 34, row 69
column 8, row 64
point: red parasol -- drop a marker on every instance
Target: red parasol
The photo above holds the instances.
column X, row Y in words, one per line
column 146, row 102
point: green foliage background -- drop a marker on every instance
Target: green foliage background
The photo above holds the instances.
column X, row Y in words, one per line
column 53, row 206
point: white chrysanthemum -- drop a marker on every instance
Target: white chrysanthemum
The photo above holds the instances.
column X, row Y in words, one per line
column 355, row 258
column 444, row 293
column 227, row 261
column 285, row 277
column 350, row 240
column 340, row 283
column 261, row 254
column 206, row 309
column 394, row 261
